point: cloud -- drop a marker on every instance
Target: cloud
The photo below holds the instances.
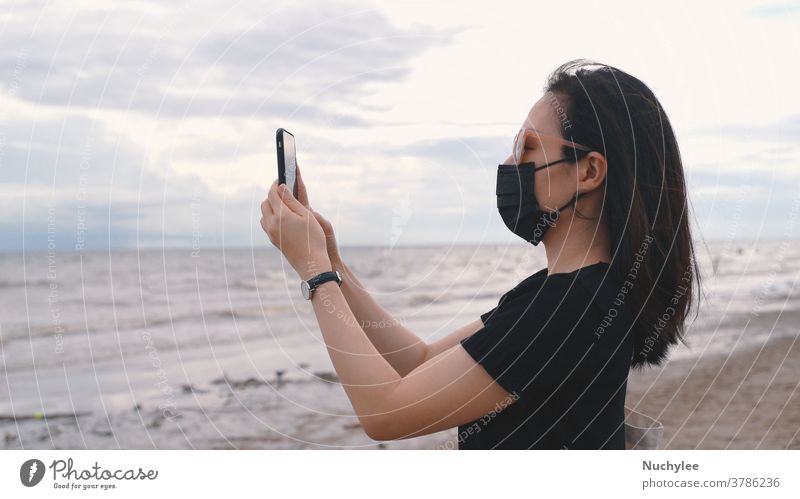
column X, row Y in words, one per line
column 787, row 129
column 182, row 62
column 477, row 150
column 778, row 10
column 81, row 72
column 150, row 124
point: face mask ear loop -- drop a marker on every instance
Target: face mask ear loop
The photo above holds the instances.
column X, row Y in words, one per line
column 555, row 214
column 548, row 165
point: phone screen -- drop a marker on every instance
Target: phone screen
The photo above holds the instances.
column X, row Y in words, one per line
column 289, row 161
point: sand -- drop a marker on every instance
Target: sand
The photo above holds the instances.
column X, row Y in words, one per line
column 749, row 399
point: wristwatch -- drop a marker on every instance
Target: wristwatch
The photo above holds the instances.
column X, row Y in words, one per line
column 308, row 287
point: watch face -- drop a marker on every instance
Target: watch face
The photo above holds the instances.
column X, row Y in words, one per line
column 305, row 289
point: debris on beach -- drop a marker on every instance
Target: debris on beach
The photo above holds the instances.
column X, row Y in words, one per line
column 237, row 384
column 189, row 388
column 280, row 379
column 41, row 416
column 327, row 376
column 102, row 429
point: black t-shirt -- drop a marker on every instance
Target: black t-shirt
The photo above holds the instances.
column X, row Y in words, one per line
column 561, row 345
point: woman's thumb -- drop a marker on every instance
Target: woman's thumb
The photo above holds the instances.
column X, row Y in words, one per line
column 290, row 200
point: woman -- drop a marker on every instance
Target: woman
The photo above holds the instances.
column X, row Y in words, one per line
column 596, row 175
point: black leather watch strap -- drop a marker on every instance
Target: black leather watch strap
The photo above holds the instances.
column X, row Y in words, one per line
column 307, row 287
column 324, row 277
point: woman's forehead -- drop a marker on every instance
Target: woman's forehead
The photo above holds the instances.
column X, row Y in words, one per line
column 541, row 118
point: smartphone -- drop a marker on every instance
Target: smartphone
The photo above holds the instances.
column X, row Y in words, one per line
column 287, row 159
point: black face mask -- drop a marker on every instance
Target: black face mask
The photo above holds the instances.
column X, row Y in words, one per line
column 517, row 203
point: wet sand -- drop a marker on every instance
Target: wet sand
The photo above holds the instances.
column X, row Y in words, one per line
column 243, row 366
column 749, row 399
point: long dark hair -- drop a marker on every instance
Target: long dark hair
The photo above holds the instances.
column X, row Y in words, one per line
column 645, row 204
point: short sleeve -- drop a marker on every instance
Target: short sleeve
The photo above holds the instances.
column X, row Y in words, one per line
column 486, row 315
column 535, row 339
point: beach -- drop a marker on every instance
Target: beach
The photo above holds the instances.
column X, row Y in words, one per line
column 185, row 349
column 749, row 399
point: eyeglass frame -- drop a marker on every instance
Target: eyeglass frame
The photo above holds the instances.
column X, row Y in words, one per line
column 517, row 150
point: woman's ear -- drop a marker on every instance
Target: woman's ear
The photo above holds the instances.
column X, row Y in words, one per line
column 593, row 171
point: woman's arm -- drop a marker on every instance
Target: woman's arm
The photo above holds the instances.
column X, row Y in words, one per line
column 403, row 349
column 399, row 346
column 447, row 390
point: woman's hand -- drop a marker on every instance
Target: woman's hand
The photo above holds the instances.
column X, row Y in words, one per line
column 330, row 239
column 327, row 228
column 294, row 230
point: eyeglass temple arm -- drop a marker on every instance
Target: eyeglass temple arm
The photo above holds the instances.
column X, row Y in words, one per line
column 563, row 140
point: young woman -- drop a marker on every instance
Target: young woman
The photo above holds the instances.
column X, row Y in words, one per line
column 596, row 176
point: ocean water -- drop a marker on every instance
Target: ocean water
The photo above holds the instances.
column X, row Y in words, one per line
column 107, row 333
column 70, row 308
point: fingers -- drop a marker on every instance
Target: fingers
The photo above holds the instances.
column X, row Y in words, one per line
column 319, row 220
column 265, row 225
column 266, row 207
column 302, row 192
column 327, row 227
column 290, row 202
column 267, row 218
column 274, row 206
column 322, row 220
column 274, row 198
column 279, row 203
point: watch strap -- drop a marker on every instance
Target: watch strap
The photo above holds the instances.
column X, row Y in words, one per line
column 324, row 277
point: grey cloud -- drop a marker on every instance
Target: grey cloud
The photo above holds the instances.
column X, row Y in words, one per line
column 483, row 150
column 300, row 51
column 780, row 10
column 784, row 130
column 467, row 151
column 72, row 177
column 69, row 153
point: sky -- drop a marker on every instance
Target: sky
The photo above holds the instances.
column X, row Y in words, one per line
column 152, row 124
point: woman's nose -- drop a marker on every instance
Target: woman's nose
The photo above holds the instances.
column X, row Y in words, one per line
column 509, row 160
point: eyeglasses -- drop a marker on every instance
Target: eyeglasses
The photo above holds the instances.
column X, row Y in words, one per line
column 524, row 133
